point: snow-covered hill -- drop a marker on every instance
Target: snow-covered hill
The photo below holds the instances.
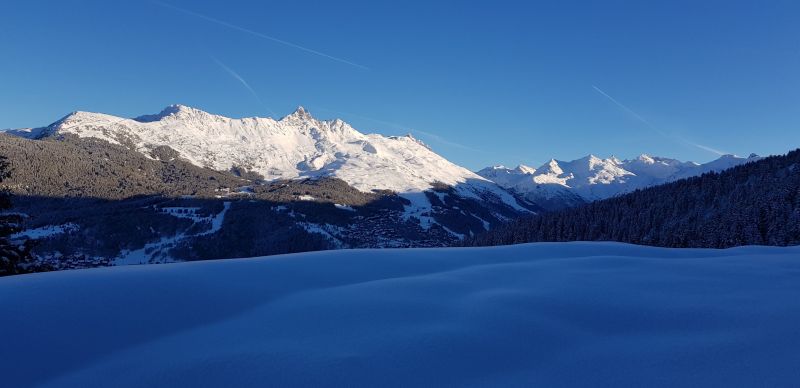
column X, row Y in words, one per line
column 591, row 178
column 552, row 315
column 297, row 145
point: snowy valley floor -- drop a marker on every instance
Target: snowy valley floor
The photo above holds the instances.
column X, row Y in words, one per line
column 576, row 314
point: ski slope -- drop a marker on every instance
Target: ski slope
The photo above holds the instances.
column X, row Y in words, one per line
column 561, row 314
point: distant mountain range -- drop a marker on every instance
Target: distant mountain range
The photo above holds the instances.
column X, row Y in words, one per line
column 559, row 184
column 755, row 203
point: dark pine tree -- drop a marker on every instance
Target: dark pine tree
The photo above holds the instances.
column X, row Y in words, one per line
column 15, row 257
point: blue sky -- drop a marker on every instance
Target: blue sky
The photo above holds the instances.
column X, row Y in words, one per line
column 482, row 83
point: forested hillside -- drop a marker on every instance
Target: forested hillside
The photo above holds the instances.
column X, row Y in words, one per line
column 84, row 202
column 753, row 204
column 73, row 167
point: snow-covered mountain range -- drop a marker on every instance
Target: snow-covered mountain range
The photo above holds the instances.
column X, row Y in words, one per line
column 566, row 183
column 297, row 145
column 185, row 184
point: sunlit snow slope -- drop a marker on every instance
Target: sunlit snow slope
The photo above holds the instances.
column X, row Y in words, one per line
column 575, row 314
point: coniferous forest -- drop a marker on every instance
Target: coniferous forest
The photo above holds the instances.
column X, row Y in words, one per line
column 753, row 204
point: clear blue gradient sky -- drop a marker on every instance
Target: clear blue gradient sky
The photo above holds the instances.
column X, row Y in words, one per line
column 481, row 82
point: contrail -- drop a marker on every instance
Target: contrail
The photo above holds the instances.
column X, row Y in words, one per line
column 239, row 78
column 709, row 149
column 401, row 127
column 255, row 33
column 631, row 112
column 653, row 127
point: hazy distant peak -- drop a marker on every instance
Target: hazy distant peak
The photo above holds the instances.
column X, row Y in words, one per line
column 525, row 169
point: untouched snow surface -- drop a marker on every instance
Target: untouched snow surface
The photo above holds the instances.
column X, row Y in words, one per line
column 574, row 314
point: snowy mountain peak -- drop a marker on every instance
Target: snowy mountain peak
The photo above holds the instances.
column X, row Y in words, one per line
column 175, row 112
column 734, row 157
column 76, row 115
column 523, row 169
column 180, row 109
column 597, row 163
column 494, row 171
column 300, row 114
column 646, row 159
column 552, row 167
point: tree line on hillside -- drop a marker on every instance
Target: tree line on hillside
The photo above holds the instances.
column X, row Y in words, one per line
column 753, row 204
column 85, row 167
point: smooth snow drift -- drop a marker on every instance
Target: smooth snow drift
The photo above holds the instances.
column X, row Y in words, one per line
column 576, row 314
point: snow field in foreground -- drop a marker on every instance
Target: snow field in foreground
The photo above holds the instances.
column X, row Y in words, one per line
column 574, row 314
